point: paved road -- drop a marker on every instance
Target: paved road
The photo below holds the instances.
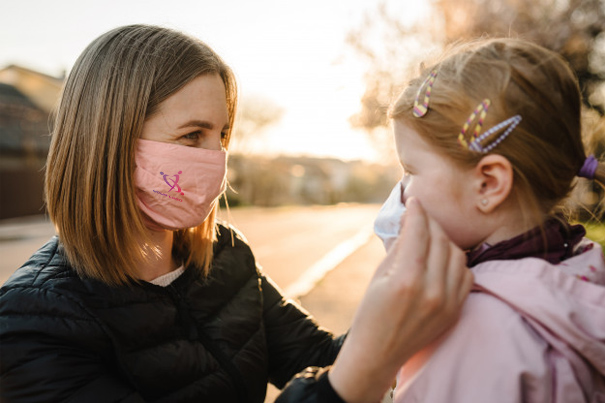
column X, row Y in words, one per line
column 334, row 300
column 19, row 238
column 286, row 241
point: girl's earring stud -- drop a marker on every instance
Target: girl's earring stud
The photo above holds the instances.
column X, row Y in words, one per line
column 484, row 202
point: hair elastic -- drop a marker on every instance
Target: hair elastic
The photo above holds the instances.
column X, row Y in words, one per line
column 420, row 109
column 589, row 168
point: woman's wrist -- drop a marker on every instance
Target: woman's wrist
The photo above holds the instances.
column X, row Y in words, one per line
column 355, row 378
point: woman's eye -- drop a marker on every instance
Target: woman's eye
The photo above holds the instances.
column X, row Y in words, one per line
column 192, row 136
column 223, row 135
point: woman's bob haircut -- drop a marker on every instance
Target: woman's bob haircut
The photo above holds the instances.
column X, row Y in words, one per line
column 117, row 82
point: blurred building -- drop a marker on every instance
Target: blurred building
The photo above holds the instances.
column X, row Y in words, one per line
column 26, row 100
column 286, row 180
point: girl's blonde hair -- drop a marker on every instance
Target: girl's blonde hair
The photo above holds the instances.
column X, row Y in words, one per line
column 117, row 82
column 519, row 78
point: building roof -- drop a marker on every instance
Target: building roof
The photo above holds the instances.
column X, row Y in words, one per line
column 23, row 125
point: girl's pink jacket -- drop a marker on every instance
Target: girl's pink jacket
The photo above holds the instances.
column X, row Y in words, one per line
column 531, row 331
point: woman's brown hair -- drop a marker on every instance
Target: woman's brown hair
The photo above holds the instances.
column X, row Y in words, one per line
column 117, row 82
column 519, row 78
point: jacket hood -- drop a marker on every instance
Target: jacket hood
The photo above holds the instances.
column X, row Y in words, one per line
column 564, row 303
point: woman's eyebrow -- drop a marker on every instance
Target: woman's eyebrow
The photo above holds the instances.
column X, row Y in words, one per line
column 198, row 123
column 201, row 123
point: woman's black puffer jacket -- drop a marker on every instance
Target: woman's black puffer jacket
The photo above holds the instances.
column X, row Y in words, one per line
column 218, row 339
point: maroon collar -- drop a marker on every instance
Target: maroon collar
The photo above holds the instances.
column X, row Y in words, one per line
column 554, row 242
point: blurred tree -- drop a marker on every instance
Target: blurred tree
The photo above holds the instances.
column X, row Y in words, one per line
column 573, row 28
column 255, row 115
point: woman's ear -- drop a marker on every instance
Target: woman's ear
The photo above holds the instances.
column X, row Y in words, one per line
column 494, row 179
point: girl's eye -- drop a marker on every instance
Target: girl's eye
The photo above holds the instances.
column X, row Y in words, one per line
column 223, row 135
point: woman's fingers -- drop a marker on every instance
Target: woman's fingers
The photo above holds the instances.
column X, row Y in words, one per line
column 407, row 255
column 412, row 245
column 438, row 263
column 413, row 298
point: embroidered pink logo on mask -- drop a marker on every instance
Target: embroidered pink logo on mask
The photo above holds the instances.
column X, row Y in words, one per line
column 175, row 182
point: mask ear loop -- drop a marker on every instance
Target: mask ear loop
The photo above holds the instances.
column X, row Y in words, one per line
column 420, row 109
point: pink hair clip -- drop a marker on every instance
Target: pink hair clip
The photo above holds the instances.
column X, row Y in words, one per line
column 480, row 110
column 475, row 143
column 420, row 109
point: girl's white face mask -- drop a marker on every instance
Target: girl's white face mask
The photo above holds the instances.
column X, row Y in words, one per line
column 388, row 221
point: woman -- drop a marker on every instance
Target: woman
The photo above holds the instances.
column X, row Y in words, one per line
column 143, row 297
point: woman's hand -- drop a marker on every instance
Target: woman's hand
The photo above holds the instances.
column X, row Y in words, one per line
column 414, row 296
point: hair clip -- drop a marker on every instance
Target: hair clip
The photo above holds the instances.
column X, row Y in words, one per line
column 475, row 143
column 421, row 109
column 480, row 110
column 513, row 122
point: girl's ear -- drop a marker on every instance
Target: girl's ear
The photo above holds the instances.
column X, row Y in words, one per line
column 494, row 180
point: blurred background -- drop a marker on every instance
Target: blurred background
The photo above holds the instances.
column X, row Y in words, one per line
column 312, row 155
column 315, row 80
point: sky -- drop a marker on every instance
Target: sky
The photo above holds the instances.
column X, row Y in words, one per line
column 293, row 54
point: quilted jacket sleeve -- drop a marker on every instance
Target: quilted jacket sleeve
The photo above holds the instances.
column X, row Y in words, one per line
column 44, row 332
column 295, row 342
column 310, row 386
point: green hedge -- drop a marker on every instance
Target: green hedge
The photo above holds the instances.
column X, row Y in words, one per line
column 596, row 232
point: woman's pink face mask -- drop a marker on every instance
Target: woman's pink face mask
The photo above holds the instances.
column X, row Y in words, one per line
column 177, row 186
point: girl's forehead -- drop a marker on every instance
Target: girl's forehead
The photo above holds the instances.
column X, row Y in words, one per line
column 408, row 141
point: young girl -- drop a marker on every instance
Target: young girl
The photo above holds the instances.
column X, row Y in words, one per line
column 143, row 297
column 489, row 139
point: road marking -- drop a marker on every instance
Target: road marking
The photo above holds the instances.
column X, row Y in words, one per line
column 314, row 274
